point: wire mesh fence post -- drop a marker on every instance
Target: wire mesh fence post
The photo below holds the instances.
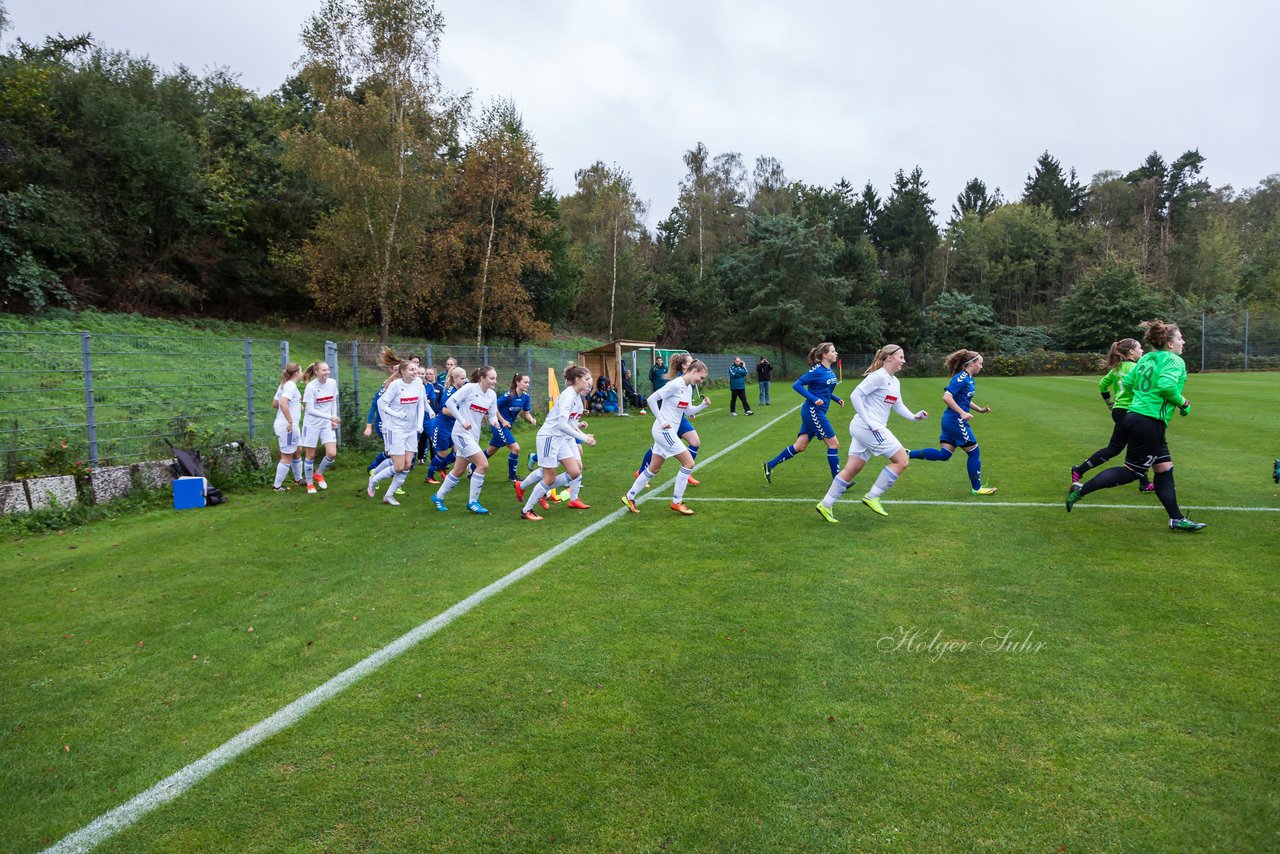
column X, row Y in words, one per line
column 248, row 382
column 1246, row 339
column 485, row 361
column 355, row 372
column 284, row 355
column 1203, row 322
column 430, row 361
column 91, row 420
column 529, row 357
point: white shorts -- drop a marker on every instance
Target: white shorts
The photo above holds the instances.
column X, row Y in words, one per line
column 666, row 443
column 313, row 435
column 553, row 449
column 866, row 443
column 465, row 445
column 400, row 443
column 282, row 439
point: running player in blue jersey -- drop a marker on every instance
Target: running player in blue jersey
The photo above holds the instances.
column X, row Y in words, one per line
column 963, row 365
column 442, row 427
column 514, row 403
column 685, row 431
column 817, row 387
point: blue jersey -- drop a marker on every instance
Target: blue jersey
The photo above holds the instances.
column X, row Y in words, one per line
column 442, row 418
column 818, row 384
column 962, row 389
column 511, row 405
column 375, row 417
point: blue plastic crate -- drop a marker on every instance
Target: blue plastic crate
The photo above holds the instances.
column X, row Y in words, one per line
column 188, row 492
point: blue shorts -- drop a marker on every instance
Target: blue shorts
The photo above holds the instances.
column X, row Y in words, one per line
column 815, row 424
column 686, row 426
column 956, row 432
column 442, row 439
column 501, row 437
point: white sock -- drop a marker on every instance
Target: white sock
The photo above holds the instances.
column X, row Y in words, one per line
column 282, row 471
column 324, row 464
column 308, row 468
column 561, row 481
column 837, row 489
column 534, row 477
column 381, row 473
column 539, row 490
column 477, row 483
column 574, row 486
column 638, row 486
column 682, row 481
column 449, row 483
column 384, row 465
column 296, row 467
column 397, row 480
column 886, row 479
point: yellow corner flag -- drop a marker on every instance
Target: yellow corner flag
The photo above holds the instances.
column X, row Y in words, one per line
column 553, row 388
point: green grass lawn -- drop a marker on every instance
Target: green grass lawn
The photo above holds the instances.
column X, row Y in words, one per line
column 730, row 681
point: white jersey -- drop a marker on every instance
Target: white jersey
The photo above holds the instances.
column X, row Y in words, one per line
column 402, row 406
column 322, row 402
column 473, row 406
column 875, row 396
column 672, row 402
column 290, row 398
column 562, row 420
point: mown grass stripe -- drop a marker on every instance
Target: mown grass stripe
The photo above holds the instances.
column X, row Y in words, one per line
column 173, row 786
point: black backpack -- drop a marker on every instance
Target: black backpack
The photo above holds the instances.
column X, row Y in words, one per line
column 189, row 464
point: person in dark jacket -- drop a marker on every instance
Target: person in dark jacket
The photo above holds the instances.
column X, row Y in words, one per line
column 656, row 374
column 738, row 386
column 764, row 372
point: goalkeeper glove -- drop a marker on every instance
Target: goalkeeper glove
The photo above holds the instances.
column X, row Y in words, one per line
column 1185, row 408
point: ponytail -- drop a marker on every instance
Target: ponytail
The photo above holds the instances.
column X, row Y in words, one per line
column 678, row 365
column 1120, row 351
column 816, row 354
column 310, row 373
column 959, row 360
column 515, row 381
column 573, row 373
column 388, row 358
column 290, row 371
column 883, row 353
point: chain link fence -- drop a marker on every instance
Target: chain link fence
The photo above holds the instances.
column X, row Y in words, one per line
column 104, row 399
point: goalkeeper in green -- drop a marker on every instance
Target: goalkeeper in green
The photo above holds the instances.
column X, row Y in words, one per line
column 1157, row 380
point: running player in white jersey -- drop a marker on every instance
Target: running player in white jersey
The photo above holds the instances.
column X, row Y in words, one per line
column 869, row 432
column 287, row 426
column 557, row 443
column 401, row 407
column 668, row 405
column 470, row 406
column 319, row 423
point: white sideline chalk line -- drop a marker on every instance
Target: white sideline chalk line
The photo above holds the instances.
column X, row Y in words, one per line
column 1058, row 504
column 112, row 822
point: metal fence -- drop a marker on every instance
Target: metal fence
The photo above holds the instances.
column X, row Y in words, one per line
column 116, row 398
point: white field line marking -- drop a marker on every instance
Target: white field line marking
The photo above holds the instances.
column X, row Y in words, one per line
column 1057, row 504
column 110, row 823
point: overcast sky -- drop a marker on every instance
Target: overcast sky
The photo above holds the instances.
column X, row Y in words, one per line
column 831, row 89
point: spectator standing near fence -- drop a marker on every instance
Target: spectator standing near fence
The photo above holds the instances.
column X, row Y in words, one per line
column 320, row 423
column 764, row 374
column 657, row 374
column 738, row 386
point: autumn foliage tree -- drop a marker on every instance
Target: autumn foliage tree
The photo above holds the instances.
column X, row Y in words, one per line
column 376, row 148
column 494, row 229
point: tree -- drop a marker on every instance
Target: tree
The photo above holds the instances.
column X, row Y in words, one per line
column 770, row 191
column 1014, row 259
column 376, row 150
column 605, row 217
column 956, row 320
column 1107, row 304
column 906, row 232
column 555, row 288
column 711, row 203
column 493, row 226
column 1060, row 192
column 974, row 199
column 783, row 277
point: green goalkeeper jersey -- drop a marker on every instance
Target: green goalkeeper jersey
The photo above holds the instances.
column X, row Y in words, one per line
column 1116, row 379
column 1157, row 382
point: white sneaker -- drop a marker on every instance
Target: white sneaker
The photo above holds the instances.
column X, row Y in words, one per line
column 732, row 414
column 390, row 499
column 370, row 490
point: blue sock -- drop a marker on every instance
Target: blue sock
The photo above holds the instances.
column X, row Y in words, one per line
column 513, row 461
column 938, row 455
column 787, row 453
column 833, row 460
column 377, row 461
column 975, row 468
column 693, row 451
column 648, row 458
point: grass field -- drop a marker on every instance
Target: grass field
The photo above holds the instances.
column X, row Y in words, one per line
column 737, row 680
